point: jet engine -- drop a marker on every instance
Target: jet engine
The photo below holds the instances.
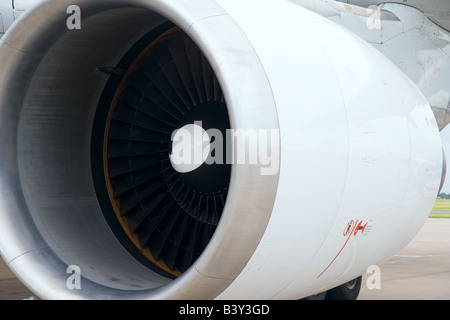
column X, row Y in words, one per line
column 313, row 156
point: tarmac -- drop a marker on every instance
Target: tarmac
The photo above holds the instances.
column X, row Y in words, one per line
column 10, row 287
column 421, row 271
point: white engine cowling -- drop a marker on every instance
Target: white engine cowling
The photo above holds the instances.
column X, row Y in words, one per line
column 87, row 116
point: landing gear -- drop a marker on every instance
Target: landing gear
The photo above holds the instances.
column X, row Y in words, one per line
column 347, row 291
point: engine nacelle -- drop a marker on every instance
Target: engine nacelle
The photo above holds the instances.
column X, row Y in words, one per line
column 336, row 156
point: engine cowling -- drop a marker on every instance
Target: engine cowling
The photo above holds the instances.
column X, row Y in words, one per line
column 338, row 145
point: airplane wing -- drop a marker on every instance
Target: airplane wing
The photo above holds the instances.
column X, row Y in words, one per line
column 10, row 11
column 6, row 16
column 414, row 36
column 227, row 149
column 437, row 11
column 422, row 50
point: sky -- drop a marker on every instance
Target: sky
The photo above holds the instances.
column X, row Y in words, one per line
column 445, row 135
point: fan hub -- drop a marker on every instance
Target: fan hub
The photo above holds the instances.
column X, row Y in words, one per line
column 190, row 148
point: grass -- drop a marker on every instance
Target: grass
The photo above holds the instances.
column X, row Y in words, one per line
column 441, row 205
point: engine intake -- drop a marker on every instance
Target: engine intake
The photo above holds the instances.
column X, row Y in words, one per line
column 95, row 112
